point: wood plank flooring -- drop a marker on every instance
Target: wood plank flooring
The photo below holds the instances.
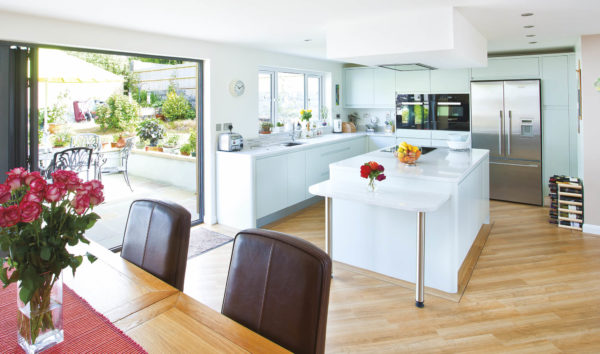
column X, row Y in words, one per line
column 535, row 288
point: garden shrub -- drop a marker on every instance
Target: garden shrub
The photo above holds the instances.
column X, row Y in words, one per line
column 119, row 113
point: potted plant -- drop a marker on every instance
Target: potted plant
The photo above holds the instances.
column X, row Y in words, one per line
column 265, row 127
column 37, row 222
column 186, row 149
column 177, row 107
column 279, row 126
column 55, row 115
column 61, row 139
column 151, row 130
column 170, row 144
column 193, row 141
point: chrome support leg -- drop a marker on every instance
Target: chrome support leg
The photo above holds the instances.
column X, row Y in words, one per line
column 420, row 283
column 328, row 229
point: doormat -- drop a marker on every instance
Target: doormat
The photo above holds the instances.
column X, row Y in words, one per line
column 203, row 240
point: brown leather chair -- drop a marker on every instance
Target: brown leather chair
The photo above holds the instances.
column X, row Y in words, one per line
column 278, row 286
column 156, row 239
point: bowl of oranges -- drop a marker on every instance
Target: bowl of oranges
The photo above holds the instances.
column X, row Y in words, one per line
column 408, row 154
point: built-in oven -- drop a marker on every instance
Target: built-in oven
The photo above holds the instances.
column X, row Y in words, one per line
column 450, row 112
column 412, row 111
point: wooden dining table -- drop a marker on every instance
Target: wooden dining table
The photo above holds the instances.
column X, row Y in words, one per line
column 154, row 314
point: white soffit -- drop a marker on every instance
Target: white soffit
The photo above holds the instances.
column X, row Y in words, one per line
column 438, row 37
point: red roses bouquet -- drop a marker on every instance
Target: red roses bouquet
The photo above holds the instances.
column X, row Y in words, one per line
column 373, row 171
column 37, row 221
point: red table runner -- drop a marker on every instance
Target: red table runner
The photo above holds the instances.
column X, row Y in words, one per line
column 85, row 329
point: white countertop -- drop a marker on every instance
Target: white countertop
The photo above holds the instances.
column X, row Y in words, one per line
column 441, row 164
column 386, row 195
column 277, row 148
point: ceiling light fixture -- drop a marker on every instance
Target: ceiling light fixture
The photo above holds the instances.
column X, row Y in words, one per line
column 308, row 40
column 527, row 14
column 530, row 35
column 532, row 42
column 529, row 26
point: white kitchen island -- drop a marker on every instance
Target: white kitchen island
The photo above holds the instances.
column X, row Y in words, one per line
column 376, row 230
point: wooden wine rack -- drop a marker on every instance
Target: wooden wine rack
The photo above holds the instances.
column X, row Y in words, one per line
column 570, row 195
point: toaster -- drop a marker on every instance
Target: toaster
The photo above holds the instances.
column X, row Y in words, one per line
column 230, row 142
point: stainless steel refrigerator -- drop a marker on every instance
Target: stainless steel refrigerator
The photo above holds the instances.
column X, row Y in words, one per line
column 506, row 119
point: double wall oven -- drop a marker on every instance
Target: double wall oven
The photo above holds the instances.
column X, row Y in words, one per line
column 433, row 112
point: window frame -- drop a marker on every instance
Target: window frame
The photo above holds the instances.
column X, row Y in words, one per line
column 275, row 94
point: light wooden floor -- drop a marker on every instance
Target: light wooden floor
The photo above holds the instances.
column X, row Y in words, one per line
column 535, row 288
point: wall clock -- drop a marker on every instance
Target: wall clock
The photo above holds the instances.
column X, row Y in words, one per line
column 237, row 88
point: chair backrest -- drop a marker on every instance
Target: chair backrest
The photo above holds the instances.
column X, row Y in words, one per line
column 278, row 286
column 76, row 159
column 156, row 239
column 127, row 149
column 88, row 140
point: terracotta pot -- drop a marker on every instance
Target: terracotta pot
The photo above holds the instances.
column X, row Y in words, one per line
column 154, row 148
column 121, row 142
column 113, row 145
column 185, row 153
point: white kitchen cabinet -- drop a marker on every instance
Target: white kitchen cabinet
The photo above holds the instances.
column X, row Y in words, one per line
column 271, row 184
column 443, row 134
column 450, row 81
column 384, row 81
column 412, row 81
column 416, row 142
column 555, row 80
column 359, row 87
column 413, row 133
column 508, row 68
column 296, row 177
column 380, row 142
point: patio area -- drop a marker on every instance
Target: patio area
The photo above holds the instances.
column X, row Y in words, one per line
column 108, row 231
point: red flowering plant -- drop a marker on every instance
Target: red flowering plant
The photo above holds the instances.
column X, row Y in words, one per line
column 373, row 171
column 37, row 221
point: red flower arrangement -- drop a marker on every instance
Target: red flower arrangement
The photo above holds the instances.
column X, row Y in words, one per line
column 373, row 171
column 37, row 221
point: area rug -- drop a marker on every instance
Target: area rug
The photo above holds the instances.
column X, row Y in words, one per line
column 203, row 240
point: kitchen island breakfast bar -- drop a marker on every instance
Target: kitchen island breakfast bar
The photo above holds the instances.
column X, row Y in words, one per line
column 376, row 230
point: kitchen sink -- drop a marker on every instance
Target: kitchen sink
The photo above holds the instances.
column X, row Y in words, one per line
column 291, row 143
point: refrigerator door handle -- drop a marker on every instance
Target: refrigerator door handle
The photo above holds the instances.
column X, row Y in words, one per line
column 500, row 133
column 514, row 164
column 509, row 132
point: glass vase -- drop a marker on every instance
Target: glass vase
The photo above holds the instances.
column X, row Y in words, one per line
column 371, row 187
column 40, row 321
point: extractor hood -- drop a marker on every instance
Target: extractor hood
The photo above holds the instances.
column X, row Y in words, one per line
column 422, row 38
column 407, row 67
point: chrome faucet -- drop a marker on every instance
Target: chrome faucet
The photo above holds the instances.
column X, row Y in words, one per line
column 293, row 131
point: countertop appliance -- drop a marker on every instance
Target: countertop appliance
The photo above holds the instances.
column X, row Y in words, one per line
column 507, row 121
column 230, row 141
column 337, row 125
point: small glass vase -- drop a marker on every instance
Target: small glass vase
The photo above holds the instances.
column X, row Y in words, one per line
column 40, row 321
column 371, row 186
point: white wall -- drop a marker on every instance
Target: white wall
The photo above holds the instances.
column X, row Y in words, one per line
column 590, row 72
column 223, row 63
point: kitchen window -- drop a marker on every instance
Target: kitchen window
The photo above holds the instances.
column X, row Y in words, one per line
column 283, row 93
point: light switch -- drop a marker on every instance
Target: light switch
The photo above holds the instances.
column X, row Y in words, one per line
column 218, row 127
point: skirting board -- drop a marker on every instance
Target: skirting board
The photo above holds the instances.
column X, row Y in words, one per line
column 464, row 273
column 591, row 229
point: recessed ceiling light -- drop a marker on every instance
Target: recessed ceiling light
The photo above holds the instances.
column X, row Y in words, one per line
column 532, row 42
column 530, row 35
column 526, row 14
column 529, row 26
column 308, row 40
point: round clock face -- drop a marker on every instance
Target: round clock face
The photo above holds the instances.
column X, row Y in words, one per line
column 237, row 87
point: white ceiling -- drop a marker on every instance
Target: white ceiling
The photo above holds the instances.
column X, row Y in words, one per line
column 283, row 25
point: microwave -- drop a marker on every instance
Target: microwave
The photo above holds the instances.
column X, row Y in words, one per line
column 433, row 112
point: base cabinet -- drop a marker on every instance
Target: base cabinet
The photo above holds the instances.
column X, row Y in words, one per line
column 250, row 188
column 380, row 142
